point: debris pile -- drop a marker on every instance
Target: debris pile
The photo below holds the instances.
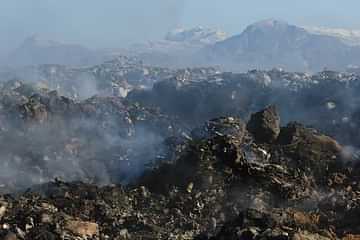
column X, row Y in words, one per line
column 102, row 139
column 327, row 100
column 116, row 77
column 149, row 164
column 224, row 180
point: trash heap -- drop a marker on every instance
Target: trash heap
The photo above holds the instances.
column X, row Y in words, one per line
column 328, row 101
column 115, row 77
column 101, row 139
column 227, row 179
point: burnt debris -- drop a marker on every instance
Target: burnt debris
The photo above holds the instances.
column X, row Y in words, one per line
column 220, row 182
column 201, row 155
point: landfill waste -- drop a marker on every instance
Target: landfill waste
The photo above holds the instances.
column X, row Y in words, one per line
column 103, row 139
column 327, row 101
column 216, row 182
column 181, row 154
column 116, row 77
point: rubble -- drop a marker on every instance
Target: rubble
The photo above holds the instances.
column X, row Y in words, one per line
column 82, row 229
column 298, row 97
column 45, row 135
column 115, row 77
column 310, row 150
column 218, row 185
column 186, row 165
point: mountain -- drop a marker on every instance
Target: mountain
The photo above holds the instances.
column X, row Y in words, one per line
column 272, row 43
column 182, row 39
column 197, row 35
column 263, row 45
column 178, row 46
column 34, row 51
column 348, row 36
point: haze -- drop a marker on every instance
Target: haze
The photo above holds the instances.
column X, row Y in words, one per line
column 113, row 23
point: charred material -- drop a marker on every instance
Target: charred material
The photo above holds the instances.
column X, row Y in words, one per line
column 153, row 166
column 218, row 183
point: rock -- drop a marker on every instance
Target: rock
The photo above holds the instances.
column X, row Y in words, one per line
column 275, row 234
column 249, row 233
column 46, row 218
column 124, row 234
column 308, row 236
column 82, row 229
column 42, row 233
column 295, row 133
column 351, row 237
column 265, row 125
column 10, row 236
column 310, row 151
column 228, row 150
column 303, row 219
column 3, row 207
column 228, row 126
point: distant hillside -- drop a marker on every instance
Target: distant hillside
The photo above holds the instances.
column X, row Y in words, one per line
column 263, row 45
column 34, row 51
column 273, row 43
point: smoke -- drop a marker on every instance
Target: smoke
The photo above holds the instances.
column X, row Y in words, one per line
column 102, row 149
column 75, row 83
column 85, row 87
column 350, row 154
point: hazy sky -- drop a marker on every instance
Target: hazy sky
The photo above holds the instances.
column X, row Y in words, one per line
column 113, row 23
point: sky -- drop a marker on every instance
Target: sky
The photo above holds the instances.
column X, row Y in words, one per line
column 118, row 23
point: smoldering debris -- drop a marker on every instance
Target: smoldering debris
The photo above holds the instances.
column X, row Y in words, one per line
column 327, row 100
column 190, row 159
column 115, row 77
column 211, row 190
column 46, row 136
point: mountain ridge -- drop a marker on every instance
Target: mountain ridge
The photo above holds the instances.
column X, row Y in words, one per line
column 272, row 43
column 262, row 45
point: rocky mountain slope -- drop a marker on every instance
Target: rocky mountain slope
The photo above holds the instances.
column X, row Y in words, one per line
column 349, row 36
column 273, row 43
column 262, row 45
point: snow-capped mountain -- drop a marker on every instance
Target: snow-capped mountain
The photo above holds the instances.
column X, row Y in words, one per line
column 272, row 43
column 178, row 46
column 197, row 35
column 262, row 45
column 349, row 36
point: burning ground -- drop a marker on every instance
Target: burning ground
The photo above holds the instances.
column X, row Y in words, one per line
column 150, row 167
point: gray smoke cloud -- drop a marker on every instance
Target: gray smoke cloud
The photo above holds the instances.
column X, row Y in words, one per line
column 84, row 151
